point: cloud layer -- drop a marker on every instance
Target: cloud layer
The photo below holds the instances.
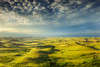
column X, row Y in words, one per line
column 50, row 17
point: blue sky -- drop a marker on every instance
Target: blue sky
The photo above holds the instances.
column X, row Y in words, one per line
column 63, row 18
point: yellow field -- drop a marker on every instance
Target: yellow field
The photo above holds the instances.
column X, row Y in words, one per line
column 50, row 52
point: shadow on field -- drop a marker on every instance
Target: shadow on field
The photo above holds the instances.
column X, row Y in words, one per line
column 87, row 46
column 44, row 54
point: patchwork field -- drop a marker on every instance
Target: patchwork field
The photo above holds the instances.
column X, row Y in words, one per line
column 49, row 52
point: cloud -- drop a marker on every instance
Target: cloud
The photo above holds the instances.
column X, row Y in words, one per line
column 20, row 30
column 14, row 30
column 49, row 16
column 13, row 19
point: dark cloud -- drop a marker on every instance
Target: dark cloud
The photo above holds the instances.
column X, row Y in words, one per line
column 51, row 7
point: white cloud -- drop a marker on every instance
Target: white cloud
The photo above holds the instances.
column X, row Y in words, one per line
column 79, row 2
column 20, row 30
column 13, row 30
column 11, row 18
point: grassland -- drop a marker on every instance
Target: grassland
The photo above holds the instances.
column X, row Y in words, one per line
column 50, row 52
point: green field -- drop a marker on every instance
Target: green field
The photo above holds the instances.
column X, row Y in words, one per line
column 50, row 52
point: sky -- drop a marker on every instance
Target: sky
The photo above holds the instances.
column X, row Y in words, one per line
column 50, row 18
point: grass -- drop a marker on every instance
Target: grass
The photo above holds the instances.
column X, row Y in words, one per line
column 50, row 52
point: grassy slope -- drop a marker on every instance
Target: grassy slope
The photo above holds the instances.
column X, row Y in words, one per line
column 44, row 51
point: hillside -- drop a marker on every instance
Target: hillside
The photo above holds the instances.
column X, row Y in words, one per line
column 50, row 52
